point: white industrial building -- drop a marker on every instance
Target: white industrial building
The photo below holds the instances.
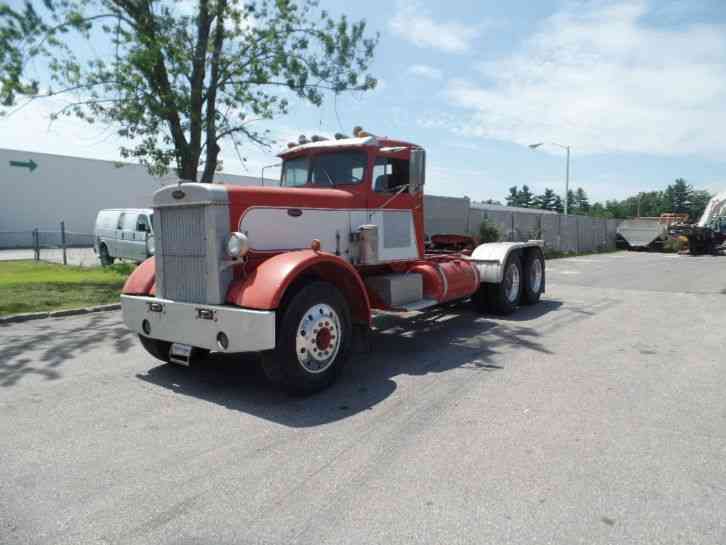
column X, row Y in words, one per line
column 39, row 190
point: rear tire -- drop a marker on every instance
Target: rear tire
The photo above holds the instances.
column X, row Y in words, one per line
column 313, row 342
column 534, row 277
column 503, row 298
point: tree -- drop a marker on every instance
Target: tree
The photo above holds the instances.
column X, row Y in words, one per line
column 581, row 202
column 546, row 201
column 557, row 205
column 699, row 200
column 513, row 198
column 526, row 199
column 681, row 196
column 488, row 231
column 570, row 201
column 177, row 86
column 597, row 210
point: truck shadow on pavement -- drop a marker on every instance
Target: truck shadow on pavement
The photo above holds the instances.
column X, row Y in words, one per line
column 39, row 348
column 448, row 340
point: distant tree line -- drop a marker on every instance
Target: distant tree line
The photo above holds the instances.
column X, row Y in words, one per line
column 678, row 197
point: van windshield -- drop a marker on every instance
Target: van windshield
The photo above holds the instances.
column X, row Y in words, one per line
column 326, row 169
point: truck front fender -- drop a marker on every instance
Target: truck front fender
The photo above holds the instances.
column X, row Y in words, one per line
column 266, row 286
column 142, row 281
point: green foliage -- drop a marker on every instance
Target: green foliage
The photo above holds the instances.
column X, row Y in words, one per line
column 178, row 85
column 545, row 201
column 526, row 199
column 488, row 231
column 678, row 197
column 674, row 245
column 513, row 198
column 581, row 202
column 523, row 198
column 570, row 201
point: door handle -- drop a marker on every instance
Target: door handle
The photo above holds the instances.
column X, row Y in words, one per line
column 294, row 212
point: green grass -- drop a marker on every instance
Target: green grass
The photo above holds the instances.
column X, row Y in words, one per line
column 30, row 286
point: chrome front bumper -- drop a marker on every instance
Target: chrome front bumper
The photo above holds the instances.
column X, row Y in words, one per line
column 198, row 324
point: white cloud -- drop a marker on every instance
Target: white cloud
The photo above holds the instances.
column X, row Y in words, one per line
column 414, row 23
column 602, row 81
column 425, row 71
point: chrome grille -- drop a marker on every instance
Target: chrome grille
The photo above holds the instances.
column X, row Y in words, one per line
column 183, row 253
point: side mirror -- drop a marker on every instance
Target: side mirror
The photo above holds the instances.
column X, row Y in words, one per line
column 417, row 171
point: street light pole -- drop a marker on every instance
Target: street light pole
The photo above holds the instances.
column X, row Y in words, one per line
column 567, row 172
column 567, row 179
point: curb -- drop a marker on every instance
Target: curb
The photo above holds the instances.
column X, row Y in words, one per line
column 18, row 318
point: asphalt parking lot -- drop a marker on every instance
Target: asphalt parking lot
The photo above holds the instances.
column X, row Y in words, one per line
column 597, row 417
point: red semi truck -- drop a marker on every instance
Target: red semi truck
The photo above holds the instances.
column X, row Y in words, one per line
column 294, row 272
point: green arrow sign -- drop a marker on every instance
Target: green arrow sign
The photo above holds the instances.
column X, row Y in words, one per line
column 29, row 164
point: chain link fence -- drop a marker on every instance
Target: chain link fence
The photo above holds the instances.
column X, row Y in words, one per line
column 54, row 246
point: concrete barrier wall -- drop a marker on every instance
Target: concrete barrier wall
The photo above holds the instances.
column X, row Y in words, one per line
column 559, row 232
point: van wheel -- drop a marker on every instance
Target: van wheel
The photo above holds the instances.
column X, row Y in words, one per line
column 502, row 298
column 313, row 340
column 106, row 259
column 534, row 278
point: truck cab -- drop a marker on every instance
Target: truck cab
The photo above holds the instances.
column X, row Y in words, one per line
column 295, row 271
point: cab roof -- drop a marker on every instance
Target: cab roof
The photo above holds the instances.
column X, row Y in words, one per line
column 365, row 141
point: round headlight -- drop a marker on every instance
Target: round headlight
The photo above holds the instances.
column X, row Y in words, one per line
column 237, row 245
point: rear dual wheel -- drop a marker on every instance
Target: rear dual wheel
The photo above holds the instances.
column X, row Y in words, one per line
column 313, row 340
column 522, row 283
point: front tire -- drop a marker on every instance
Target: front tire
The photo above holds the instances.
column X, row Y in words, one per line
column 313, row 340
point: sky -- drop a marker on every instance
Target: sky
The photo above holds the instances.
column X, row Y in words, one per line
column 636, row 88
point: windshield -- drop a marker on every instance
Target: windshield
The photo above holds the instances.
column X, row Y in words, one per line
column 326, row 169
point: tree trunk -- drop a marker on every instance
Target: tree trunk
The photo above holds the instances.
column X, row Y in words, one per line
column 210, row 164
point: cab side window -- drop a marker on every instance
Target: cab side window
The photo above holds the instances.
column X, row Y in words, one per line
column 390, row 174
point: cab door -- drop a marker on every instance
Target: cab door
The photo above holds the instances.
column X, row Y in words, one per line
column 394, row 208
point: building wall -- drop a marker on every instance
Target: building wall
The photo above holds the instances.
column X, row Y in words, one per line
column 73, row 190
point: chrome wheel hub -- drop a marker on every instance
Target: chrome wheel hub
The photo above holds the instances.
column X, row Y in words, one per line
column 511, row 283
column 318, row 338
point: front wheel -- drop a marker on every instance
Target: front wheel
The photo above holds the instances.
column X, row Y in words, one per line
column 313, row 340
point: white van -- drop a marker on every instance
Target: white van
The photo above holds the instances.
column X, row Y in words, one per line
column 124, row 233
